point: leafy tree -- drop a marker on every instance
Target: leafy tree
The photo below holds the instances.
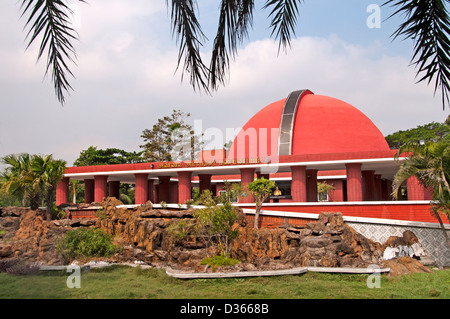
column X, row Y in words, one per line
column 18, row 179
column 93, row 156
column 426, row 23
column 31, row 177
column 324, row 188
column 47, row 173
column 433, row 131
column 170, row 139
column 261, row 189
column 215, row 222
column 430, row 163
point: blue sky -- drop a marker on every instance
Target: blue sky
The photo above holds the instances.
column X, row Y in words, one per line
column 126, row 79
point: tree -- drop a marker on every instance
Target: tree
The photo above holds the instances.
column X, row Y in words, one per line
column 430, row 164
column 427, row 24
column 170, row 139
column 18, row 180
column 47, row 173
column 31, row 177
column 433, row 131
column 93, row 156
column 261, row 189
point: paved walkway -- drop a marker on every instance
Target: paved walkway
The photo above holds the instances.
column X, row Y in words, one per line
column 262, row 273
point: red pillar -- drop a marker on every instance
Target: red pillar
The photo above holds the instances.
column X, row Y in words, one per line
column 417, row 191
column 100, row 187
column 311, row 185
column 184, row 186
column 114, row 189
column 173, row 198
column 354, row 182
column 368, row 180
column 141, row 189
column 378, row 188
column 164, row 189
column 88, row 191
column 204, row 182
column 151, row 192
column 247, row 176
column 385, row 193
column 298, row 184
column 336, row 195
column 62, row 191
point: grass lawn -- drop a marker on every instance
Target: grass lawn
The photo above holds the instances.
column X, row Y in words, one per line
column 122, row 282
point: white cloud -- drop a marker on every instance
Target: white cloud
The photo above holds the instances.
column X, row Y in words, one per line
column 126, row 80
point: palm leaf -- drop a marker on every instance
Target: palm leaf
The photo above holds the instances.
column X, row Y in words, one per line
column 428, row 25
column 49, row 19
column 236, row 16
column 284, row 19
column 187, row 30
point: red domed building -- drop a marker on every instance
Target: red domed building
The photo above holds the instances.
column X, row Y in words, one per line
column 296, row 141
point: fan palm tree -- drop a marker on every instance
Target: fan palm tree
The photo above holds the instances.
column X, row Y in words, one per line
column 427, row 24
column 430, row 163
column 18, row 179
column 47, row 172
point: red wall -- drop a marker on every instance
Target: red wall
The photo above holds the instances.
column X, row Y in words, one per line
column 409, row 212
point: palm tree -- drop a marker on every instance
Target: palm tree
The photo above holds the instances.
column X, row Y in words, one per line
column 18, row 179
column 48, row 172
column 430, row 163
column 427, row 24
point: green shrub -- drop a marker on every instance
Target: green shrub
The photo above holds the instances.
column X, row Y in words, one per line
column 87, row 242
column 219, row 260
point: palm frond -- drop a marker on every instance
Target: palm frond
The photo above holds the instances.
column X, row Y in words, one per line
column 428, row 25
column 284, row 20
column 187, row 29
column 50, row 18
column 236, row 16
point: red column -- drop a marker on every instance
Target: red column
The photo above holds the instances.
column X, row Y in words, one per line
column 417, row 191
column 88, row 191
column 354, row 182
column 100, row 187
column 378, row 188
column 204, row 182
column 164, row 189
column 151, row 192
column 336, row 195
column 368, row 180
column 184, row 186
column 247, row 176
column 141, row 189
column 114, row 189
column 173, row 198
column 298, row 184
column 311, row 185
column 62, row 191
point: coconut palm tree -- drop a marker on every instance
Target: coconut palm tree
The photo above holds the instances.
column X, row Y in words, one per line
column 426, row 23
column 430, row 163
column 47, row 173
column 19, row 181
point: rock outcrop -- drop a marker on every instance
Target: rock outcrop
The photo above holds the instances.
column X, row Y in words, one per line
column 145, row 237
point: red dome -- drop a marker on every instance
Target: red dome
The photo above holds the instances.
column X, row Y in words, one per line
column 310, row 124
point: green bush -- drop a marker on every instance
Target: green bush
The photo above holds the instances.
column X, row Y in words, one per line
column 219, row 260
column 87, row 242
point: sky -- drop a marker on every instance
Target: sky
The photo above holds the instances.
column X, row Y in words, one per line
column 126, row 77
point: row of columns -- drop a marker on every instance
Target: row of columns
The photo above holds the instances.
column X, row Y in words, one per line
column 361, row 186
